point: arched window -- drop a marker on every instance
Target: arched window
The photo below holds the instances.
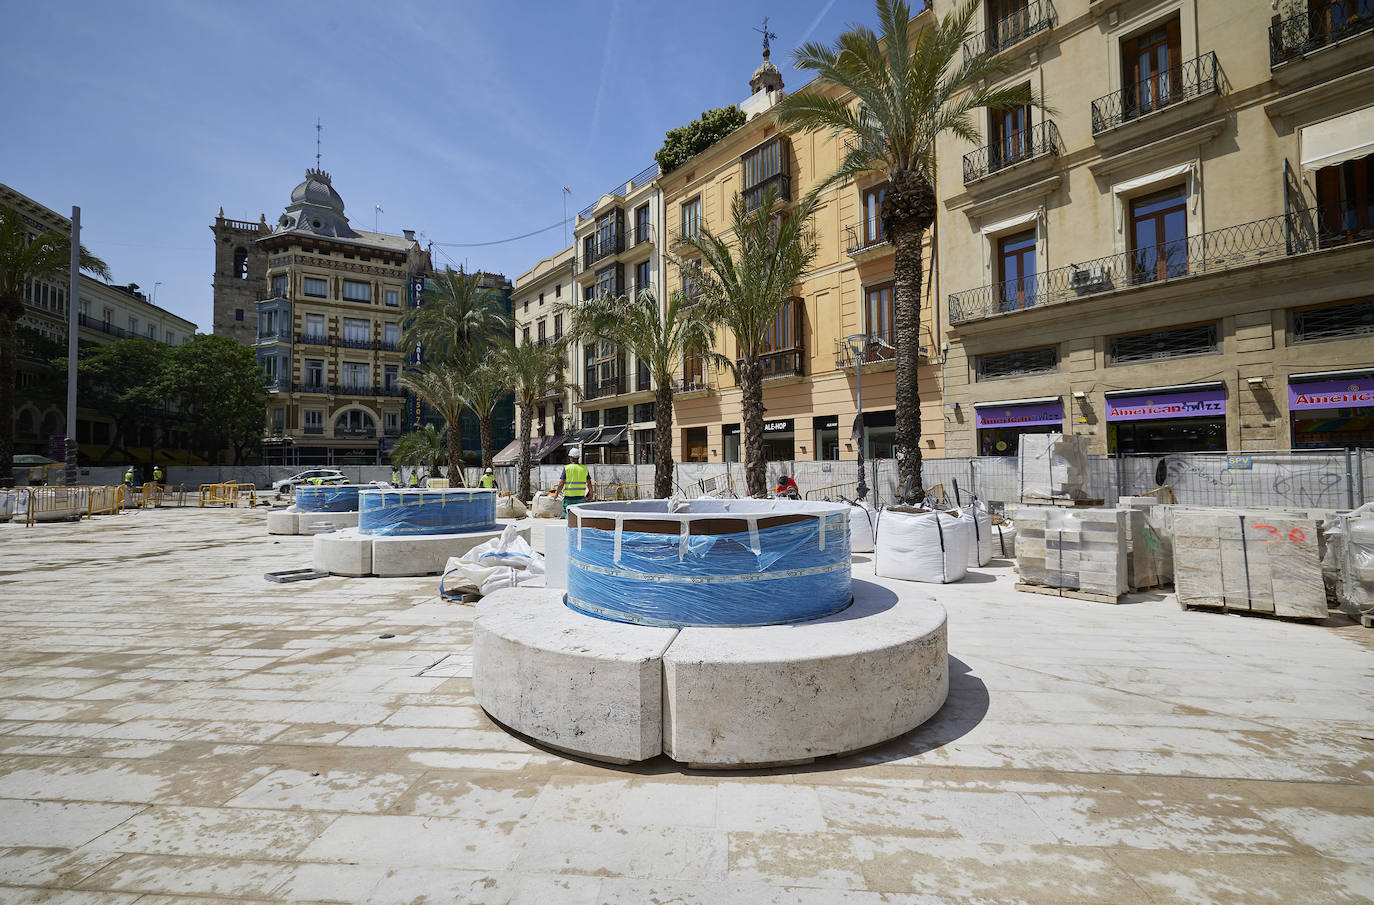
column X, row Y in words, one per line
column 355, row 422
column 241, row 263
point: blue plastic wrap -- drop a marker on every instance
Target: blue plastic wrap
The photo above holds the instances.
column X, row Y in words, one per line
column 429, row 511
column 328, row 497
column 781, row 574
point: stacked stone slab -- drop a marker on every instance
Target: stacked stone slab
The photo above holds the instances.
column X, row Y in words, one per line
column 1073, row 549
column 1261, row 562
column 1052, row 467
column 1352, row 551
column 1150, row 554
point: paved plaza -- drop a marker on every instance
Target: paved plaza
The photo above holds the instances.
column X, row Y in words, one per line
column 174, row 728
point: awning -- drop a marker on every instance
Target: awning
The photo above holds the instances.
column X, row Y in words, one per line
column 611, row 436
column 1333, row 375
column 1019, row 412
column 1347, row 137
column 509, row 454
column 1348, row 392
column 1194, row 400
column 585, row 436
column 539, row 448
column 548, row 446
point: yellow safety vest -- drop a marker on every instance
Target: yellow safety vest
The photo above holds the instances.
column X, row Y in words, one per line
column 487, row 481
column 317, row 482
column 575, row 480
column 128, row 477
column 414, row 479
column 157, row 474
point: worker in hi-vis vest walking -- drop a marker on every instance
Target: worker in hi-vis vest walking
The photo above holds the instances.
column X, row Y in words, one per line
column 488, row 480
column 575, row 481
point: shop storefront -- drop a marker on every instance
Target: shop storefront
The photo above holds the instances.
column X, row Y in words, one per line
column 1189, row 418
column 1000, row 424
column 827, row 432
column 778, row 443
column 1332, row 409
column 730, row 441
column 880, row 434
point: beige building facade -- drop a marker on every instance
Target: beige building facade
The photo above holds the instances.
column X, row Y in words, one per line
column 1180, row 256
column 538, row 291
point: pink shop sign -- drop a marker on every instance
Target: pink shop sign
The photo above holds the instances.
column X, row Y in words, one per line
column 1207, row 403
column 1331, row 394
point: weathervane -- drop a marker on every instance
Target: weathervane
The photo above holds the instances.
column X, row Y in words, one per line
column 318, row 127
column 766, row 36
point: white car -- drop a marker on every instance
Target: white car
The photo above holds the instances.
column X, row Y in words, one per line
column 326, row 476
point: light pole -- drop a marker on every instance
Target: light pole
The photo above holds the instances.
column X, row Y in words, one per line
column 858, row 345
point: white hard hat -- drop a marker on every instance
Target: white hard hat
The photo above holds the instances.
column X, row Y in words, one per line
column 575, row 452
column 488, row 471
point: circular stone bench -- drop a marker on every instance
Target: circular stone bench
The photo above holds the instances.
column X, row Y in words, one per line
column 351, row 553
column 290, row 521
column 708, row 696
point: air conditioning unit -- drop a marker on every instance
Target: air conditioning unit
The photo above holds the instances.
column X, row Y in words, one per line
column 1089, row 279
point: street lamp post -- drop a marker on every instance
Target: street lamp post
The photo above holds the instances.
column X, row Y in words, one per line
column 858, row 345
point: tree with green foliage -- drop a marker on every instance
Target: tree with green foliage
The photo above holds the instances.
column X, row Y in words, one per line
column 685, row 142
column 422, row 448
column 745, row 276
column 441, row 386
column 25, row 257
column 218, row 385
column 659, row 337
column 532, row 371
column 458, row 314
column 482, row 387
column 126, row 380
column 896, row 97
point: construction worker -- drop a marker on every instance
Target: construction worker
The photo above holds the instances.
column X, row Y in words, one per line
column 574, row 482
column 488, row 480
column 157, row 474
column 415, row 477
column 787, row 488
column 395, row 476
column 317, row 482
column 129, row 476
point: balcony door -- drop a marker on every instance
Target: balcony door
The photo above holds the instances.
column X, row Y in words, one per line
column 1159, row 235
column 880, row 322
column 873, row 215
column 1017, row 271
column 1010, row 133
column 1152, row 75
column 1345, row 201
column 1008, row 21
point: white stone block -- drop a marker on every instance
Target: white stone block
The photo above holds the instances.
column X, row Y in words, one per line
column 424, row 554
column 321, row 522
column 791, row 693
column 344, row 552
column 282, row 521
column 579, row 684
column 556, row 556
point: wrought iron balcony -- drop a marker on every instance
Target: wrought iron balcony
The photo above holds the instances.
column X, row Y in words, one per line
column 600, row 389
column 281, row 336
column 602, row 248
column 85, row 320
column 356, row 344
column 313, row 430
column 1273, row 238
column 313, row 339
column 1320, row 25
column 861, row 247
column 310, row 387
column 1036, row 16
column 643, row 232
column 1185, row 82
column 280, row 385
column 753, row 196
column 385, row 346
column 878, row 347
column 1039, row 140
column 782, row 363
column 698, row 383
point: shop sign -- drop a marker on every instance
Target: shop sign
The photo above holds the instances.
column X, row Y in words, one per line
column 1240, row 463
column 778, row 427
column 731, row 430
column 1020, row 415
column 1331, row 394
column 828, row 424
column 1208, row 403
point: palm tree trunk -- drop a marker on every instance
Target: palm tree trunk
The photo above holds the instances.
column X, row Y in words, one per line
column 906, row 302
column 751, row 399
column 454, row 445
column 523, row 478
column 663, row 440
column 7, row 359
column 484, row 430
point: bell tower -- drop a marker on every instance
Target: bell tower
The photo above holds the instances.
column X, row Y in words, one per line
column 240, row 277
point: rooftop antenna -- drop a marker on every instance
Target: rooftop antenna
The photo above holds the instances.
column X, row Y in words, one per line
column 766, row 36
column 566, row 192
column 318, row 127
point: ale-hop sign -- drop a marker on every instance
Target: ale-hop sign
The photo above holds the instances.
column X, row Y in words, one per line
column 1020, row 415
column 1331, row 394
column 1205, row 403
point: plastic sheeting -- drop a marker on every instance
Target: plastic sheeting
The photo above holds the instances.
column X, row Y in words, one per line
column 1004, row 540
column 922, row 546
column 1349, row 562
column 328, row 497
column 507, row 561
column 1052, row 466
column 425, row 511
column 756, row 576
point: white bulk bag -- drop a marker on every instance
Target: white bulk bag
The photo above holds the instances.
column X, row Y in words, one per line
column 502, row 562
column 862, row 519
column 546, row 506
column 980, row 552
column 508, row 506
column 921, row 546
column 1004, row 540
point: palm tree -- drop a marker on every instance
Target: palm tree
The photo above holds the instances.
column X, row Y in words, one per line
column 441, row 386
column 659, row 339
column 416, row 448
column 744, row 289
column 482, row 387
column 532, row 371
column 458, row 314
column 24, row 258
column 908, row 95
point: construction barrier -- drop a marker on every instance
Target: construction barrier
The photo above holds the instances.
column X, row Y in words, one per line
column 228, row 494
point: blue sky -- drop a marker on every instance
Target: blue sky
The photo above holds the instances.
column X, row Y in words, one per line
column 464, row 120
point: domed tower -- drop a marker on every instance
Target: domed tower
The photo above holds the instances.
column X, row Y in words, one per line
column 765, row 86
column 316, row 208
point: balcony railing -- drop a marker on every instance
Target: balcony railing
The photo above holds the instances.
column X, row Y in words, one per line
column 782, row 363
column 355, row 433
column 694, row 384
column 313, row 430
column 1320, row 25
column 879, row 347
column 644, row 232
column 602, row 248
column 1038, row 141
column 1036, row 16
column 313, row 339
column 280, row 385
column 600, row 389
column 753, row 196
column 858, row 244
column 85, row 320
column 1185, row 82
column 281, row 336
column 356, row 343
column 1296, row 232
column 310, row 387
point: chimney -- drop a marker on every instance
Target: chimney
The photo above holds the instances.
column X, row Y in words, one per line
column 409, row 234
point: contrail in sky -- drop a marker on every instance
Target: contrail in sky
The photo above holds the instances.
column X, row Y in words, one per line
column 814, row 22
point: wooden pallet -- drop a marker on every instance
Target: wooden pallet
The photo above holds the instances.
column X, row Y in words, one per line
column 1065, row 503
column 1065, row 592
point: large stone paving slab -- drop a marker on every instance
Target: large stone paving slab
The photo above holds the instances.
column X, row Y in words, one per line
column 172, row 727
